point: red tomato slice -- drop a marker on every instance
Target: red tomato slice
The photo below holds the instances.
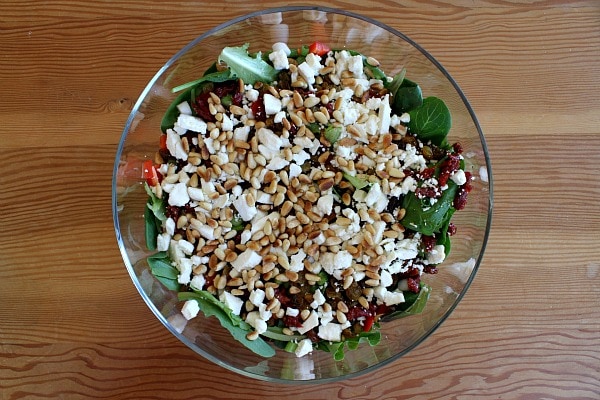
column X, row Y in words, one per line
column 149, row 173
column 368, row 323
column 319, row 48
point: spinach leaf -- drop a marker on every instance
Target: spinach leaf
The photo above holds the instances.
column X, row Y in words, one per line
column 357, row 182
column 408, row 97
column 428, row 219
column 238, row 328
column 431, row 121
column 161, row 268
column 414, row 303
column 246, row 67
column 151, row 231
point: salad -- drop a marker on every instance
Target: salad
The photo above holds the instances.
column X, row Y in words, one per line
column 300, row 195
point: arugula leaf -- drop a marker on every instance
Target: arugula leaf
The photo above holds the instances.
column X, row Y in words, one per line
column 332, row 133
column 426, row 218
column 431, row 121
column 249, row 69
column 443, row 238
column 276, row 333
column 161, row 268
column 372, row 337
column 238, row 328
column 155, row 203
column 414, row 303
column 297, row 53
column 357, row 182
column 215, row 77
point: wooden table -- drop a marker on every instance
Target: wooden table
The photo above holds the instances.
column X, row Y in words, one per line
column 72, row 324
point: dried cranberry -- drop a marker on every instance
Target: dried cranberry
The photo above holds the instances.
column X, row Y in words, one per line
column 460, row 200
column 428, row 243
column 357, row 312
column 200, row 106
column 330, row 107
column 451, row 229
column 427, row 173
column 449, row 166
column 237, row 98
column 457, row 147
column 382, row 309
column 313, row 336
column 281, row 296
column 258, row 109
column 426, row 191
column 172, row 212
column 413, row 284
column 292, row 322
column 293, row 130
column 429, row 269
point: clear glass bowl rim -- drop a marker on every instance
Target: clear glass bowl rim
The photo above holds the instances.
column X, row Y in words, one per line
column 184, row 50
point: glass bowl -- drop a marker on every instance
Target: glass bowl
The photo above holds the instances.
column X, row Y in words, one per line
column 299, row 26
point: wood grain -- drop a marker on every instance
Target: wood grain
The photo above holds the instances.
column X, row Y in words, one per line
column 71, row 322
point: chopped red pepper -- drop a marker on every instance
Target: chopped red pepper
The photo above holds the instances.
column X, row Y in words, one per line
column 163, row 142
column 149, row 173
column 319, row 48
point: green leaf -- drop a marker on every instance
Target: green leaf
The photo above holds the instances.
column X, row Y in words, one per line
column 395, row 84
column 332, row 133
column 414, row 303
column 150, row 229
column 237, row 223
column 276, row 333
column 426, row 218
column 249, row 69
column 408, row 97
column 301, row 52
column 154, row 214
column 215, row 77
column 314, row 128
column 372, row 337
column 189, row 93
column 357, row 182
column 443, row 238
column 161, row 268
column 238, row 328
column 431, row 121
